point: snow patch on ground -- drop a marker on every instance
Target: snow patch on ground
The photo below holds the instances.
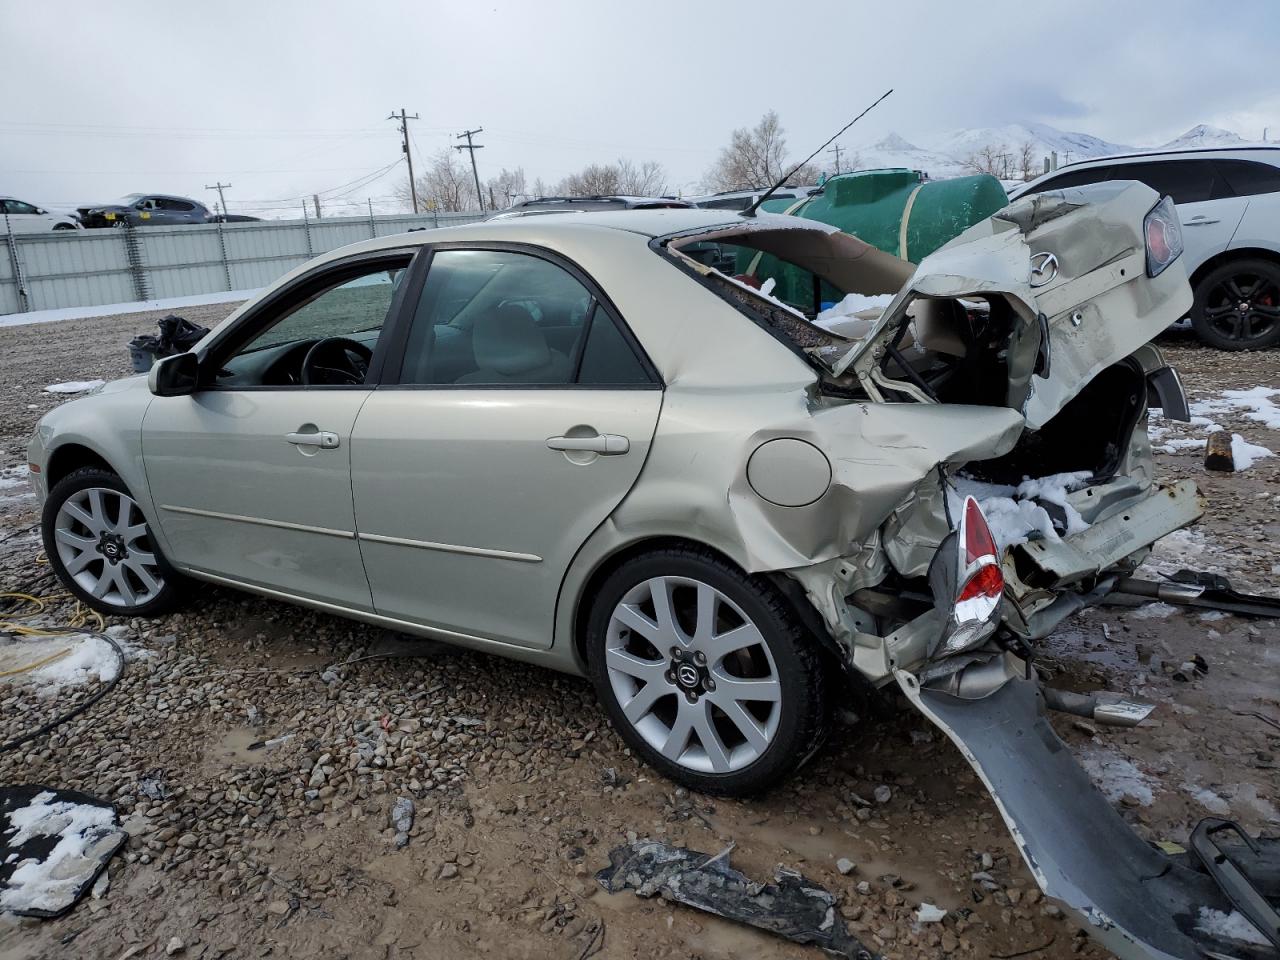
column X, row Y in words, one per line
column 111, row 309
column 1117, row 777
column 90, row 659
column 1256, row 404
column 1155, row 611
column 1246, row 454
column 1229, row 926
column 52, row 883
column 74, row 386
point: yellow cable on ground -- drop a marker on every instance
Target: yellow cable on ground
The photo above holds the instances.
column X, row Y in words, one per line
column 34, row 666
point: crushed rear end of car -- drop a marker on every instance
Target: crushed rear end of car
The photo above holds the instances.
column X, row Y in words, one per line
column 990, row 474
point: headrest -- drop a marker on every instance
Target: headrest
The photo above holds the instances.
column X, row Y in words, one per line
column 508, row 341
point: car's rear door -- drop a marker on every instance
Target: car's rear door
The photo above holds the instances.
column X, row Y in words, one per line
column 251, row 474
column 521, row 415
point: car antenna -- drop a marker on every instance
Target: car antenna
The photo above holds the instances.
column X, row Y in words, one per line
column 751, row 210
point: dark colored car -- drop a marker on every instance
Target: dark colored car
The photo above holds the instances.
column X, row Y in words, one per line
column 233, row 218
column 145, row 209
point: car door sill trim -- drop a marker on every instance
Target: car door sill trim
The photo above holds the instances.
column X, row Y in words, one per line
column 502, row 647
column 260, row 521
column 452, row 548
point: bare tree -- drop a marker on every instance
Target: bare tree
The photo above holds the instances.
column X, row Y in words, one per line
column 609, row 179
column 445, row 185
column 754, row 158
column 540, row 188
column 757, row 158
column 1027, row 160
column 648, row 179
column 993, row 158
column 507, row 186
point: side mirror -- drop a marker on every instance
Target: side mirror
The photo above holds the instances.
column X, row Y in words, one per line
column 175, row 376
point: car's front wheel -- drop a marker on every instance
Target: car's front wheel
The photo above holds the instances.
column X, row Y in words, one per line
column 101, row 546
column 707, row 673
column 1237, row 306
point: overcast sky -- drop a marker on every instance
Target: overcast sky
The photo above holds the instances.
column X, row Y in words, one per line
column 284, row 98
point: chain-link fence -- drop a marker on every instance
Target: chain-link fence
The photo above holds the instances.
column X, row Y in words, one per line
column 76, row 268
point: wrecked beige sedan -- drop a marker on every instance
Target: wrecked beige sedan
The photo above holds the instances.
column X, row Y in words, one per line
column 599, row 443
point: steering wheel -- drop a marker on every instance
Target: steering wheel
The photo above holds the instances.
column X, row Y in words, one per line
column 338, row 361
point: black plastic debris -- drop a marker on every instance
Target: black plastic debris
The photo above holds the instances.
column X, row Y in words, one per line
column 53, row 845
column 791, row 907
column 177, row 335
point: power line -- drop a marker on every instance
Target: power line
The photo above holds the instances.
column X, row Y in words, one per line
column 404, row 119
column 471, row 148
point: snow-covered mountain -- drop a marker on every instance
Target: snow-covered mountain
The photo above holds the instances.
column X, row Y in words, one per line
column 947, row 155
column 1202, row 136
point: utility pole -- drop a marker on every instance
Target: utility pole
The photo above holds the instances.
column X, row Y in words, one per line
column 836, row 150
column 404, row 119
column 472, row 148
column 315, row 198
column 220, row 186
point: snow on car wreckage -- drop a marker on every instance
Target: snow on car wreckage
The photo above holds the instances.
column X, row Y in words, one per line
column 1007, row 380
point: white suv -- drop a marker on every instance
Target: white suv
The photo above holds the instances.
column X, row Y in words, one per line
column 18, row 216
column 1229, row 204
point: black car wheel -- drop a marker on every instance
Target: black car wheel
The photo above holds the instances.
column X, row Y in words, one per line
column 707, row 673
column 1237, row 306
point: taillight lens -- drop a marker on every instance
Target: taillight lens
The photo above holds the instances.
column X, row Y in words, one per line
column 976, row 609
column 1163, row 234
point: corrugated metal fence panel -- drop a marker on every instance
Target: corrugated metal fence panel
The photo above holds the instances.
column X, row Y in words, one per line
column 74, row 269
column 89, row 267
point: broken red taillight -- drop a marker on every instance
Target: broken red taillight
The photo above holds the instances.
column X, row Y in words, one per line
column 980, row 581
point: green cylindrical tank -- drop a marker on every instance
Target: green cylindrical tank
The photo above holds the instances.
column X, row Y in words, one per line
column 894, row 210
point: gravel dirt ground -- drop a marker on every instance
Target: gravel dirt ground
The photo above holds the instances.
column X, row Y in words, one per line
column 519, row 787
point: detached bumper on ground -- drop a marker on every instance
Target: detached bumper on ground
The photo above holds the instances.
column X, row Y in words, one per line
column 1139, row 902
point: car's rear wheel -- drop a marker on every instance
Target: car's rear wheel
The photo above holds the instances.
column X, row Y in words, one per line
column 707, row 673
column 1237, row 306
column 101, row 547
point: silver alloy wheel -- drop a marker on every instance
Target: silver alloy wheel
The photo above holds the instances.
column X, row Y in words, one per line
column 693, row 675
column 104, row 544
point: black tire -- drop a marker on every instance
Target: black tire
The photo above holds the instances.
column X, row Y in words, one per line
column 63, row 226
column 801, row 724
column 171, row 582
column 1237, row 305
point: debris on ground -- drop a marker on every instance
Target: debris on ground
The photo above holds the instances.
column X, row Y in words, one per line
column 792, row 907
column 402, row 820
column 53, row 846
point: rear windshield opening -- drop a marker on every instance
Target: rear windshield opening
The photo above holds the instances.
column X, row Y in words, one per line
column 790, row 276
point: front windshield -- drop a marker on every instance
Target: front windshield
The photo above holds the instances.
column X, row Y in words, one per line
column 128, row 200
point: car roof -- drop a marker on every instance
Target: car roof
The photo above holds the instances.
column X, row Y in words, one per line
column 1272, row 153
column 1266, row 153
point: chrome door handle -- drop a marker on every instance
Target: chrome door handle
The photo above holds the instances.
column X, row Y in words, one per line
column 324, row 440
column 1199, row 222
column 605, row 444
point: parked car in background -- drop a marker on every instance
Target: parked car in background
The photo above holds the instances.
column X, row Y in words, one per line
column 146, row 209
column 23, row 217
column 549, row 204
column 1229, row 203
column 741, row 199
column 233, row 218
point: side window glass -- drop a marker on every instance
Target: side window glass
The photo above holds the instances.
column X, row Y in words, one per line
column 1248, row 178
column 327, row 339
column 18, row 207
column 1076, row 178
column 1187, row 181
column 607, row 358
column 489, row 317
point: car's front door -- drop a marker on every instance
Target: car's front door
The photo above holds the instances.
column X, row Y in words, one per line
column 250, row 475
column 521, row 416
column 24, row 217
